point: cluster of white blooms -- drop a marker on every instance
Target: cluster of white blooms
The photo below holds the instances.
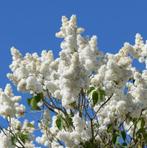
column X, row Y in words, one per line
column 31, row 72
column 78, row 59
column 5, row 140
column 71, row 138
column 115, row 110
column 138, row 91
column 74, row 42
column 48, row 134
column 26, row 129
column 64, row 77
column 114, row 73
column 81, row 132
column 79, row 66
column 114, row 76
column 10, row 135
column 9, row 104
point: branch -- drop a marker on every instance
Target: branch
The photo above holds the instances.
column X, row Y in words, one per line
column 102, row 106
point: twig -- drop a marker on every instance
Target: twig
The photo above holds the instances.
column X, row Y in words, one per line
column 102, row 106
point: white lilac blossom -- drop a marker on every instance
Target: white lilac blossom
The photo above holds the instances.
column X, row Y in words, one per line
column 48, row 134
column 5, row 140
column 81, row 132
column 17, row 130
column 9, row 104
column 31, row 72
column 64, row 77
column 93, row 96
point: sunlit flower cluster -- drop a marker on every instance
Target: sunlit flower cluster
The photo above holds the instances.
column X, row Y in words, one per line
column 9, row 104
column 87, row 91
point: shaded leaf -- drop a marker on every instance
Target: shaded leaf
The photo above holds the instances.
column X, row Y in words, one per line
column 73, row 105
column 30, row 125
column 123, row 134
column 95, row 97
column 23, row 136
column 33, row 102
column 101, row 94
column 114, row 138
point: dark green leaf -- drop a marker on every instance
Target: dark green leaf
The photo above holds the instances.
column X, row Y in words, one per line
column 73, row 105
column 23, row 136
column 142, row 122
column 13, row 140
column 59, row 122
column 69, row 121
column 34, row 101
column 95, row 97
column 29, row 101
column 110, row 128
column 30, row 125
column 39, row 97
column 114, row 138
column 123, row 134
column 34, row 104
column 101, row 94
column 145, row 136
column 124, row 144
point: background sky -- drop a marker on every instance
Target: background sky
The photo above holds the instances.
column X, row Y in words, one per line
column 30, row 25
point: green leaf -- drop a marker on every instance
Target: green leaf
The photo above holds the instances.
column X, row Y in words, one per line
column 110, row 128
column 30, row 125
column 89, row 144
column 101, row 94
column 123, row 134
column 34, row 104
column 95, row 97
column 91, row 88
column 73, row 105
column 69, row 121
column 114, row 138
column 34, row 101
column 39, row 97
column 29, row 101
column 124, row 144
column 145, row 136
column 140, row 131
column 59, row 122
column 24, row 137
column 13, row 140
column 141, row 123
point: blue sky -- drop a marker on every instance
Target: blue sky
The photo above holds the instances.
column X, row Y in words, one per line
column 30, row 25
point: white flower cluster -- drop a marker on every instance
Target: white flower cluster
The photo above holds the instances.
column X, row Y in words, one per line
column 81, row 132
column 26, row 128
column 114, row 73
column 114, row 76
column 115, row 109
column 78, row 59
column 51, row 136
column 9, row 104
column 80, row 65
column 5, row 140
column 63, row 77
column 31, row 71
column 44, row 126
column 10, row 135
